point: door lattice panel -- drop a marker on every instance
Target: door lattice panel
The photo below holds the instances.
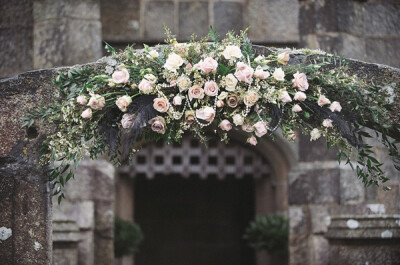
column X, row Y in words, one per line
column 191, row 158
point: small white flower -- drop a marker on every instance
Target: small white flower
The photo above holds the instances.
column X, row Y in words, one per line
column 315, row 134
column 153, row 54
column 327, row 123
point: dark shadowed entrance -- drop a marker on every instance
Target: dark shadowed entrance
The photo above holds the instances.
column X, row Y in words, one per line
column 194, row 221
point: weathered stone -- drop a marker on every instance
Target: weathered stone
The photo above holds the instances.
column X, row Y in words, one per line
column 228, row 16
column 120, row 24
column 193, row 19
column 320, row 218
column 317, row 185
column 351, row 189
column 157, row 14
column 272, row 20
column 314, row 150
column 383, row 51
column 319, row 246
column 298, row 220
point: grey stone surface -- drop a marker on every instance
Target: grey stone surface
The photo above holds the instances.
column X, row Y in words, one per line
column 157, row 14
column 351, row 189
column 320, row 218
column 319, row 246
column 314, row 150
column 193, row 19
column 383, row 50
column 120, row 21
column 228, row 16
column 271, row 20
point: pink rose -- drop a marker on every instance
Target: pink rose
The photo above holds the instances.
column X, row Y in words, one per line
column 284, row 97
column 225, row 125
column 252, row 140
column 97, row 102
column 161, row 104
column 87, row 113
column 335, row 106
column 260, row 128
column 232, row 101
column 220, row 104
column 208, row 65
column 158, row 124
column 322, row 101
column 123, row 102
column 327, row 123
column 247, row 128
column 300, row 81
column 300, row 96
column 121, row 76
column 211, row 88
column 195, row 92
column 260, row 73
column 127, row 121
column 177, row 100
column 146, row 86
column 81, row 100
column 244, row 73
column 296, row 108
column 206, row 114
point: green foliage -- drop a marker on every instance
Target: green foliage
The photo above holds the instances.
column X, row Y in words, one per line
column 110, row 49
column 268, row 232
column 213, row 35
column 127, row 237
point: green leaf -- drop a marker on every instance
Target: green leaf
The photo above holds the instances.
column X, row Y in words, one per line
column 213, row 35
column 110, row 49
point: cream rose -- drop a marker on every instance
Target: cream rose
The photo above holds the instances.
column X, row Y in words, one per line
column 81, row 100
column 177, row 100
column 232, row 101
column 87, row 113
column 161, row 105
column 300, row 96
column 247, row 128
column 232, row 52
column 230, row 82
column 238, row 119
column 284, row 97
column 296, row 108
column 220, row 104
column 327, row 123
column 195, row 92
column 121, row 76
column 183, row 83
column 223, row 95
column 225, row 125
column 208, row 65
column 158, row 124
column 153, row 54
column 260, row 73
column 146, row 86
column 127, row 121
column 252, row 140
column 244, row 72
column 335, row 107
column 315, row 134
column 260, row 128
column 283, row 58
column 211, row 88
column 174, row 61
column 250, row 98
column 322, row 101
column 300, row 81
column 97, row 102
column 279, row 74
column 123, row 103
column 206, row 113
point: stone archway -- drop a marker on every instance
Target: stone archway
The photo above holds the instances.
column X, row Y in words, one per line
column 262, row 172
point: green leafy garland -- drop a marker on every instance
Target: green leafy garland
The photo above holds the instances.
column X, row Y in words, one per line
column 159, row 93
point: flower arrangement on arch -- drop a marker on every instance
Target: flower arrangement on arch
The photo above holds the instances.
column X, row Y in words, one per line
column 161, row 92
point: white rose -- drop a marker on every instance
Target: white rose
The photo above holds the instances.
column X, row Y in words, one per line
column 259, row 58
column 87, row 114
column 279, row 74
column 238, row 119
column 183, row 83
column 335, row 106
column 260, row 128
column 223, row 95
column 250, row 98
column 231, row 52
column 284, row 97
column 174, row 61
column 230, row 82
column 146, row 86
column 153, row 54
column 260, row 73
column 123, row 102
column 296, row 108
column 327, row 123
column 283, row 58
column 206, row 114
column 300, row 96
column 322, row 101
column 315, row 134
column 177, row 100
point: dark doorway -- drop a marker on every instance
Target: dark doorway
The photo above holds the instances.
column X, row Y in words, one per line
column 194, row 221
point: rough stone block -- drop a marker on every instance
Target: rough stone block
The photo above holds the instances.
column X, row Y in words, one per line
column 298, row 220
column 381, row 19
column 120, row 24
column 319, row 246
column 314, row 150
column 316, row 185
column 228, row 16
column 48, row 9
column 158, row 13
column 351, row 188
column 272, row 20
column 193, row 18
column 385, row 51
column 320, row 218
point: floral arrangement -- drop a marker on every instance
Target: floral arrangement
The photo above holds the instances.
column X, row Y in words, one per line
column 159, row 93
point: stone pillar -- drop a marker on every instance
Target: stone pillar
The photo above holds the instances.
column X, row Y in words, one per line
column 66, row 32
column 65, row 242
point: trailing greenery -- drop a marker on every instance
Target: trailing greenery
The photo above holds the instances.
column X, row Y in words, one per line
column 268, row 232
column 127, row 237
